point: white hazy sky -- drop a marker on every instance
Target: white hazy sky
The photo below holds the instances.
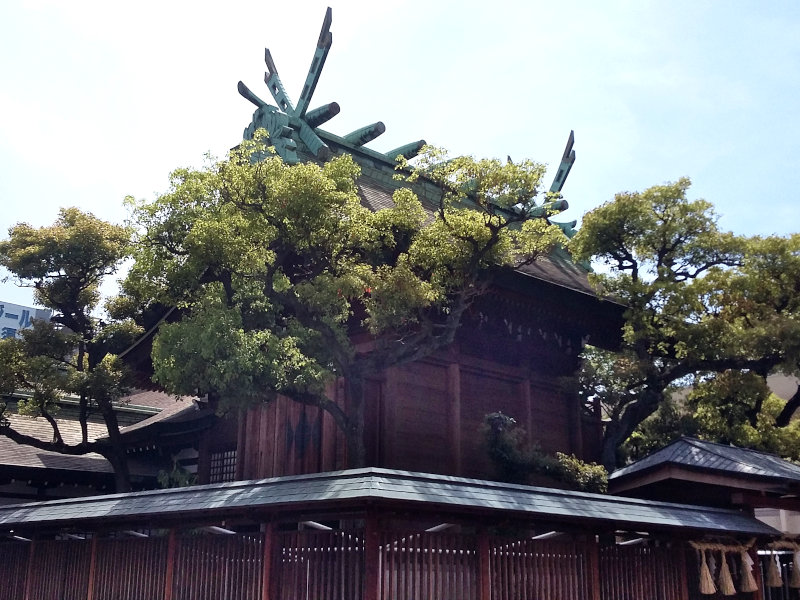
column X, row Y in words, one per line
column 103, row 99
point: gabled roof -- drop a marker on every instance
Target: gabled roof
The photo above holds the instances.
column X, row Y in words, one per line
column 358, row 488
column 710, row 456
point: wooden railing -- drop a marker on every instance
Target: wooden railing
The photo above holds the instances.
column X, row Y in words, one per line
column 428, row 565
column 540, row 569
column 213, row 567
column 636, row 572
column 336, row 565
column 318, row 564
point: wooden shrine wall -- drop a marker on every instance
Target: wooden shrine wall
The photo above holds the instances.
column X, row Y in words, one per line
column 289, row 438
column 425, row 416
column 338, row 565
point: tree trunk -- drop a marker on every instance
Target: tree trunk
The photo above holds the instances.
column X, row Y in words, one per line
column 616, row 432
column 116, row 451
column 785, row 416
column 122, row 476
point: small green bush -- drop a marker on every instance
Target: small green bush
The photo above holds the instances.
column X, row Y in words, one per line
column 516, row 460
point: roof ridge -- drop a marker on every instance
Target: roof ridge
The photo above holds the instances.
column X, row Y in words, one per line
column 735, row 448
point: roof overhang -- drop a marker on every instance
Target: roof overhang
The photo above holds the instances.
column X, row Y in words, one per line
column 381, row 488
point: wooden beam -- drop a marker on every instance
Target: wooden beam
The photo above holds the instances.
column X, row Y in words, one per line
column 92, row 569
column 681, row 473
column 241, row 443
column 31, row 570
column 525, row 394
column 593, row 560
column 684, row 578
column 759, row 593
column 372, row 580
column 756, row 500
column 169, row 575
column 454, row 393
column 484, row 566
column 266, row 571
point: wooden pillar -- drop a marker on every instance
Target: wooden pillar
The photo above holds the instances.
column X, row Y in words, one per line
column 484, row 566
column 527, row 402
column 241, row 443
column 92, row 568
column 454, row 394
column 684, row 551
column 169, row 576
column 372, row 576
column 29, row 574
column 593, row 563
column 759, row 593
column 266, row 572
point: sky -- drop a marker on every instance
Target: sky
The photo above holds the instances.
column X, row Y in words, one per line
column 101, row 100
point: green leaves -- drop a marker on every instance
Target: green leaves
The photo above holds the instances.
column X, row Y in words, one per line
column 66, row 262
column 698, row 300
column 286, row 281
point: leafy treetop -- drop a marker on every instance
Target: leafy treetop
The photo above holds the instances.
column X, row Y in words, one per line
column 285, row 280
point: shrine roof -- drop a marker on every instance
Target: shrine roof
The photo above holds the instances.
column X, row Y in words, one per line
column 296, row 136
column 358, row 488
column 25, row 459
column 20, row 455
column 719, row 458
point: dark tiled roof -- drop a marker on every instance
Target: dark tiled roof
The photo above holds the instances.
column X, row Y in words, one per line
column 359, row 487
column 179, row 410
column 153, row 399
column 17, row 455
column 560, row 270
column 37, row 462
column 710, row 456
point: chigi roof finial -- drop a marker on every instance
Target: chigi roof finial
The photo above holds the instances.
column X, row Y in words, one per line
column 289, row 125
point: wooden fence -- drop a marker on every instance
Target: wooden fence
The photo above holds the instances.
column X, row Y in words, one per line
column 333, row 565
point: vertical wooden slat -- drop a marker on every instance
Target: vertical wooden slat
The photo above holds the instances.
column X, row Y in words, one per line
column 241, row 443
column 759, row 593
column 266, row 567
column 169, row 574
column 484, row 566
column 371, row 558
column 30, row 571
column 454, row 397
column 92, row 569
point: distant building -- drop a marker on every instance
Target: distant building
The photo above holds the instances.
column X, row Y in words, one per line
column 14, row 318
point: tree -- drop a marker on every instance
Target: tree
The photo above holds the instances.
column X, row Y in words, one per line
column 285, row 281
column 74, row 353
column 699, row 301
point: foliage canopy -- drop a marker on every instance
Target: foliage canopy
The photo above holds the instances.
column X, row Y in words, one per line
column 701, row 303
column 74, row 353
column 286, row 281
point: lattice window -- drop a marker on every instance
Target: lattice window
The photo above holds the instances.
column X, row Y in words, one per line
column 223, row 466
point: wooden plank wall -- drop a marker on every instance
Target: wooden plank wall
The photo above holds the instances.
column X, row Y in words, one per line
column 432, row 416
column 425, row 416
column 211, row 567
column 288, row 438
column 428, row 565
column 301, row 565
column 129, row 569
column 549, row 569
column 13, row 569
column 636, row 572
column 318, row 564
column 415, row 426
column 60, row 569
